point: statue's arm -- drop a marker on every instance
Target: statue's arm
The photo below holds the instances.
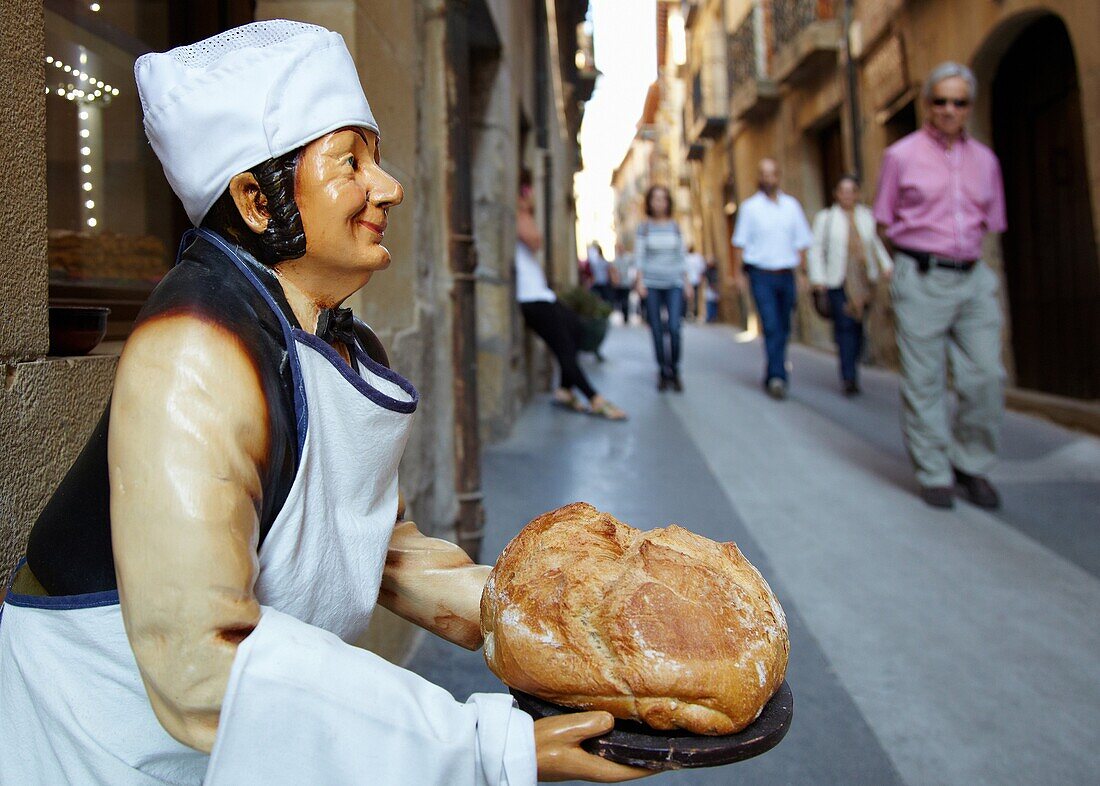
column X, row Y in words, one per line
column 187, row 441
column 432, row 583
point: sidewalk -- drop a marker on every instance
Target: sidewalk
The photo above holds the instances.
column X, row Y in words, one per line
column 926, row 646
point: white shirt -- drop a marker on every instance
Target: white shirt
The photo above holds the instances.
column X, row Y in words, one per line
column 696, row 267
column 771, row 232
column 531, row 286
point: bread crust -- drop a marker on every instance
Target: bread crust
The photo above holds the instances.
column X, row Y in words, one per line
column 665, row 627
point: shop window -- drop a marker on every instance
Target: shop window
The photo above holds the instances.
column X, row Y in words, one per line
column 112, row 218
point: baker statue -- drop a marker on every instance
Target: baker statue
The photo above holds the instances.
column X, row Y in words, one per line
column 183, row 611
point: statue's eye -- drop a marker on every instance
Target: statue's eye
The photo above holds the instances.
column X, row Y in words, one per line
column 353, row 162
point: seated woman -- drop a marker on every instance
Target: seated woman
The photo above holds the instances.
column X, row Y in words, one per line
column 190, row 593
column 559, row 327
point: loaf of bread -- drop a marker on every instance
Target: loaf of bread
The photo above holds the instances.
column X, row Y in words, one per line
column 665, row 627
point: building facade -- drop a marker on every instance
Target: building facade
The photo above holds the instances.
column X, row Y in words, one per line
column 466, row 92
column 824, row 86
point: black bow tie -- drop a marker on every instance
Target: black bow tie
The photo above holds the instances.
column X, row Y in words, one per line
column 338, row 324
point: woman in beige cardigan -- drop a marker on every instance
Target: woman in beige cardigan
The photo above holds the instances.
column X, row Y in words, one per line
column 847, row 264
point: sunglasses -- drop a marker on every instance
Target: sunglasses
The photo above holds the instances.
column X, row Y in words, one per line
column 958, row 103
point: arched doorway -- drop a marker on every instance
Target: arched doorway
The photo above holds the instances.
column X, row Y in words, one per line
column 1050, row 256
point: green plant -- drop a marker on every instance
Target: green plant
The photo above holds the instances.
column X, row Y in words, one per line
column 585, row 303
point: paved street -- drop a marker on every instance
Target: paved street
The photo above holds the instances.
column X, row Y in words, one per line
column 956, row 647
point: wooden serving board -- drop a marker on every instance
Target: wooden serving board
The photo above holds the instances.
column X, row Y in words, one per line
column 639, row 745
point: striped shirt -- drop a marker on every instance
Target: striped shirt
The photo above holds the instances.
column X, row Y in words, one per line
column 659, row 254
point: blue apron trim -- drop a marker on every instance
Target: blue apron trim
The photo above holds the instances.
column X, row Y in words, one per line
column 301, row 412
column 90, row 600
column 324, row 349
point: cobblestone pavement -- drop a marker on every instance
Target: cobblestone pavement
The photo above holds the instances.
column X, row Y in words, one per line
column 957, row 647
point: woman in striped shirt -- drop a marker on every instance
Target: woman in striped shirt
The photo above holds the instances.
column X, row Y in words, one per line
column 662, row 271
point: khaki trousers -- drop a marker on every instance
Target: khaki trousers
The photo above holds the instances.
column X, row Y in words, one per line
column 947, row 316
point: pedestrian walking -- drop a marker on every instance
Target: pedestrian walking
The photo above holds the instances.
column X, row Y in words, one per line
column 662, row 276
column 622, row 280
column 696, row 267
column 712, row 296
column 556, row 325
column 770, row 241
column 846, row 260
column 600, row 271
column 940, row 192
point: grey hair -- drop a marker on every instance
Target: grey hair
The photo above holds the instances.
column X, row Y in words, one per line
column 947, row 71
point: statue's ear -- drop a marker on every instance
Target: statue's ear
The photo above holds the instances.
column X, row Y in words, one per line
column 250, row 201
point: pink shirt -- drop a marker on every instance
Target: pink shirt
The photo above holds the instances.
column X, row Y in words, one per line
column 940, row 200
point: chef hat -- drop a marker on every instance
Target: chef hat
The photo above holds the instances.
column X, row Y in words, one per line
column 225, row 104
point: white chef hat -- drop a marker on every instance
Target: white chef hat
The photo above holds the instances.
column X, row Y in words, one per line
column 222, row 105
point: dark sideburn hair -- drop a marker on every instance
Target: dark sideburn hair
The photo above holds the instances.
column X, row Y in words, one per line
column 285, row 237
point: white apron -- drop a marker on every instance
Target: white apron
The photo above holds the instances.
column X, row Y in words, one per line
column 302, row 706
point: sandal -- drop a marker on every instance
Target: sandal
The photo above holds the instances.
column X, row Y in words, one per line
column 567, row 399
column 607, row 410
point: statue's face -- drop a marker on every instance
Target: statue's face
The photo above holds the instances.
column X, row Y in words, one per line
column 344, row 196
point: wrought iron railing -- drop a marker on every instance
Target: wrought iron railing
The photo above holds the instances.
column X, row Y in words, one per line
column 741, row 54
column 791, row 17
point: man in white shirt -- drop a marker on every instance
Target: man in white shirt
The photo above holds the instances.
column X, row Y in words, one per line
column 696, row 267
column 769, row 244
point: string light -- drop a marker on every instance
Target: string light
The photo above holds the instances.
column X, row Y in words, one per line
column 98, row 92
column 94, row 7
column 103, row 91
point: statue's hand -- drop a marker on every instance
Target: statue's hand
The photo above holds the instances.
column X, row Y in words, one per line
column 561, row 757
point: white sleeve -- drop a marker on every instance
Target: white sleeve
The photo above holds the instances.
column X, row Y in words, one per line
column 302, row 707
column 742, row 230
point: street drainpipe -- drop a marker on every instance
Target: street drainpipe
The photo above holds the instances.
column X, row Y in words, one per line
column 463, row 259
column 853, row 92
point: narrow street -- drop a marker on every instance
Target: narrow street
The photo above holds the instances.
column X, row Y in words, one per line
column 926, row 646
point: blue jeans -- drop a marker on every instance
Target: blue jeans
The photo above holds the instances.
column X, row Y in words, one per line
column 848, row 334
column 774, row 294
column 671, row 300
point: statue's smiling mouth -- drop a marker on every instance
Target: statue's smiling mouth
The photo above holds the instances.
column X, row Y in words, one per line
column 378, row 229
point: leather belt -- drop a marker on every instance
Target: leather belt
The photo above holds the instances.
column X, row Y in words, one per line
column 770, row 271
column 926, row 260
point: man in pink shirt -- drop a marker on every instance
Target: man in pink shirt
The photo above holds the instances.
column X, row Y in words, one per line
column 939, row 194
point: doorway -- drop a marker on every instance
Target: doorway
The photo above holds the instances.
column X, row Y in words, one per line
column 830, row 151
column 1050, row 255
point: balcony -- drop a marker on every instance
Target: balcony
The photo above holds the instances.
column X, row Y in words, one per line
column 806, row 36
column 752, row 96
column 708, row 113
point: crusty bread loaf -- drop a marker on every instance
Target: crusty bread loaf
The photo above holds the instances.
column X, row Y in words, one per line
column 666, row 627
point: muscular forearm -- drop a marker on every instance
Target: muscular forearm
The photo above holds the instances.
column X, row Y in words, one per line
column 432, row 583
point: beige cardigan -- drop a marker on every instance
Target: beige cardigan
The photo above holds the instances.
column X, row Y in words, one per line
column 828, row 267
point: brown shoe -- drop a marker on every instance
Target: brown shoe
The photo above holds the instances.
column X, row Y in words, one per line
column 978, row 490
column 938, row 496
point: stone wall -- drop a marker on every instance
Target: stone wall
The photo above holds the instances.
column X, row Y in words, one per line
column 47, row 407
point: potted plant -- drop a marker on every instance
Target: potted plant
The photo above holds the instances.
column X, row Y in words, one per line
column 594, row 314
